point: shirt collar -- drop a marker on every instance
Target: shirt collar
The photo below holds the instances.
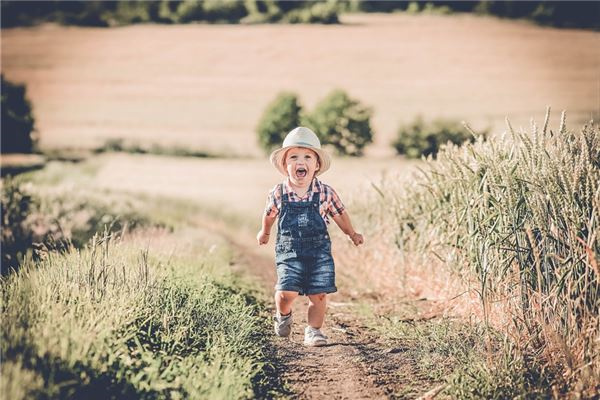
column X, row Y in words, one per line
column 315, row 186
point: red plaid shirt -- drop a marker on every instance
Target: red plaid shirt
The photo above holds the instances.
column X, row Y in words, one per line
column 329, row 202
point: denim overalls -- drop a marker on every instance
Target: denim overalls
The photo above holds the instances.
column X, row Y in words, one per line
column 303, row 248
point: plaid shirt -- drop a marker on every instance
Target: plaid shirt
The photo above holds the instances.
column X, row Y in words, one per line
column 329, row 202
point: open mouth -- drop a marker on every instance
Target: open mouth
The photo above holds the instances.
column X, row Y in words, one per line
column 301, row 172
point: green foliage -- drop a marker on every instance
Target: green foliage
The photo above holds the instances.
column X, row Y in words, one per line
column 418, row 138
column 281, row 116
column 511, row 378
column 342, row 122
column 260, row 11
column 17, row 119
column 132, row 12
column 109, row 13
column 188, row 11
column 565, row 14
column 224, row 10
column 135, row 147
column 17, row 237
column 318, row 12
column 35, row 220
column 116, row 320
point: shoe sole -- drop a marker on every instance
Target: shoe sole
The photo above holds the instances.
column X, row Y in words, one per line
column 281, row 334
column 320, row 343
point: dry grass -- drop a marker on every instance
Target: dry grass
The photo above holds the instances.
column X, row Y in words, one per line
column 207, row 85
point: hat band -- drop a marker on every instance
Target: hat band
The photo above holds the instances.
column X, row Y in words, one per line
column 304, row 144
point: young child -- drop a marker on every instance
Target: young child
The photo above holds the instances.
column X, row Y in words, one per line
column 303, row 248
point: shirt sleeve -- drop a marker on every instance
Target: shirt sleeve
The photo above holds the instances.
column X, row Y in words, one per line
column 272, row 206
column 335, row 205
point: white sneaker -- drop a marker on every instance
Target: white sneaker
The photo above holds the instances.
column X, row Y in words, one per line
column 283, row 324
column 314, row 337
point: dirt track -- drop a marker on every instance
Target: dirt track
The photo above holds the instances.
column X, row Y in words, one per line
column 356, row 364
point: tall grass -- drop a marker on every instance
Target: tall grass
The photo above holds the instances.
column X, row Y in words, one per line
column 114, row 321
column 519, row 217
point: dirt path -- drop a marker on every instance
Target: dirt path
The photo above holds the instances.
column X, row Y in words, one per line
column 355, row 364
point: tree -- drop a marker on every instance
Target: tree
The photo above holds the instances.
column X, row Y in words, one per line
column 17, row 119
column 343, row 123
column 281, row 116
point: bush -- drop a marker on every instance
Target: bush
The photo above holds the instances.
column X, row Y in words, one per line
column 343, row 123
column 420, row 139
column 281, row 116
column 261, row 12
column 224, row 10
column 35, row 222
column 324, row 13
column 131, row 12
column 188, row 11
column 17, row 119
column 16, row 236
column 210, row 10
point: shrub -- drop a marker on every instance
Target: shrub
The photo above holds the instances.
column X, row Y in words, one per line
column 261, row 11
column 17, row 119
column 34, row 221
column 224, row 10
column 16, row 236
column 324, row 13
column 343, row 123
column 131, row 12
column 210, row 10
column 189, row 11
column 418, row 139
column 281, row 116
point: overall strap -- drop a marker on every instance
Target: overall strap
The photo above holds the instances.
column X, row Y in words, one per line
column 282, row 196
column 316, row 196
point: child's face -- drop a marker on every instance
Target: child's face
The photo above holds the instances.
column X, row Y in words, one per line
column 301, row 165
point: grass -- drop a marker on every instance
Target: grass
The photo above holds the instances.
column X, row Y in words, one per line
column 151, row 312
column 120, row 145
column 516, row 220
column 456, row 357
column 117, row 319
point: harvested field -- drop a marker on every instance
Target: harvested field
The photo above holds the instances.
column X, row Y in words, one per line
column 206, row 86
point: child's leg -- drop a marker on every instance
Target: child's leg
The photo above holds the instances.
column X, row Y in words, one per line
column 317, row 303
column 284, row 300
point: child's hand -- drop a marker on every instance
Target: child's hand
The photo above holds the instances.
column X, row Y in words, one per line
column 262, row 237
column 357, row 238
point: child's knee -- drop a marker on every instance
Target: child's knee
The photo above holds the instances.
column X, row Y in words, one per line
column 317, row 298
column 285, row 296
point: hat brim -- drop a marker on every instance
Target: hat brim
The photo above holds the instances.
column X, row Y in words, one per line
column 277, row 159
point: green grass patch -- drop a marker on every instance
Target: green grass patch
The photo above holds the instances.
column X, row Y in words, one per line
column 473, row 362
column 123, row 146
column 114, row 321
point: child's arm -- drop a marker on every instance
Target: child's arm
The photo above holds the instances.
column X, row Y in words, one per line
column 263, row 234
column 343, row 221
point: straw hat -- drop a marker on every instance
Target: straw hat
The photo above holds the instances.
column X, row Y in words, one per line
column 300, row 137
